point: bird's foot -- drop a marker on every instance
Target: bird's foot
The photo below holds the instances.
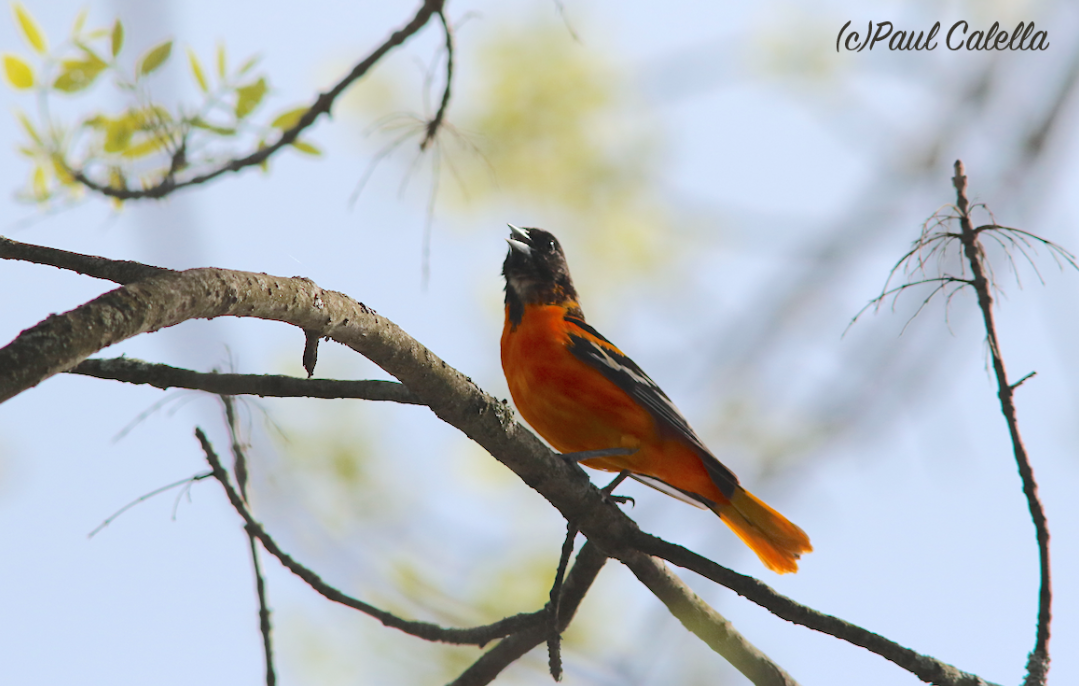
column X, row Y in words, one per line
column 620, row 499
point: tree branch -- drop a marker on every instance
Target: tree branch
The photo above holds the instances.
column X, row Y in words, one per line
column 926, row 668
column 239, row 457
column 554, row 606
column 1038, row 662
column 704, row 622
column 431, row 632
column 584, row 571
column 321, row 106
column 62, row 341
column 264, row 610
column 134, row 371
column 117, row 271
column 436, row 121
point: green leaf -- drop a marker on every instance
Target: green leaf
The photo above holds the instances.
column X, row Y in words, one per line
column 154, row 58
column 63, row 174
column 146, row 147
column 92, row 56
column 248, row 65
column 306, row 148
column 18, row 72
column 249, row 97
column 196, row 69
column 117, row 180
column 153, row 115
column 117, row 37
column 118, row 135
column 221, row 61
column 30, row 130
column 264, row 165
column 78, row 74
column 30, row 30
column 80, row 21
column 40, row 184
column 198, row 122
column 289, row 119
column 151, row 118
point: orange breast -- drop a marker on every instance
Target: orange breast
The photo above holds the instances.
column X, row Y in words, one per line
column 576, row 408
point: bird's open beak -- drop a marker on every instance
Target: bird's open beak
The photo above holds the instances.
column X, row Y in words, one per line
column 520, row 241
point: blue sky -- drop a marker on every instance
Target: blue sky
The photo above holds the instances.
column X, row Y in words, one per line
column 792, row 177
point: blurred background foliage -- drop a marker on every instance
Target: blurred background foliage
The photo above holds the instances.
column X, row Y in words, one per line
column 730, row 192
column 145, row 143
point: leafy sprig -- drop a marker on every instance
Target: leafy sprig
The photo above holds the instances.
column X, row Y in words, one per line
column 144, row 142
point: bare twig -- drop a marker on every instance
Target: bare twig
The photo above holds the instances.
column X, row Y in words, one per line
column 177, row 400
column 941, row 281
column 565, row 20
column 264, row 610
column 239, row 457
column 386, row 150
column 584, row 571
column 554, row 606
column 555, row 625
column 480, row 635
column 321, row 106
column 163, row 376
column 1020, row 382
column 436, row 121
column 1038, row 662
column 142, row 498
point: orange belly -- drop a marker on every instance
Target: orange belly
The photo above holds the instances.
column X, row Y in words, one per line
column 576, row 408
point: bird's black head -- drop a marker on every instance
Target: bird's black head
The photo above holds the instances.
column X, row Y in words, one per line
column 536, row 272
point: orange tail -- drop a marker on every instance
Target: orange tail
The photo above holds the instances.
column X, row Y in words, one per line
column 777, row 542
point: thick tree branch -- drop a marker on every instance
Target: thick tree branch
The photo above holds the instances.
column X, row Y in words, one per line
column 321, row 106
column 707, row 624
column 1038, row 662
column 134, row 371
column 62, row 341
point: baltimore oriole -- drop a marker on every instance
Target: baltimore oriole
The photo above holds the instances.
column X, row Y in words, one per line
column 582, row 393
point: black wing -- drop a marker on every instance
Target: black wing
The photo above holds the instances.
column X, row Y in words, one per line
column 625, row 373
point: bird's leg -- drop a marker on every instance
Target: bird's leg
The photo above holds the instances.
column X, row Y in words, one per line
column 621, row 499
column 590, row 454
column 606, row 490
column 606, row 452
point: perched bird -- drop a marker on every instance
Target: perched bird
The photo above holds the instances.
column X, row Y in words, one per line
column 581, row 393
